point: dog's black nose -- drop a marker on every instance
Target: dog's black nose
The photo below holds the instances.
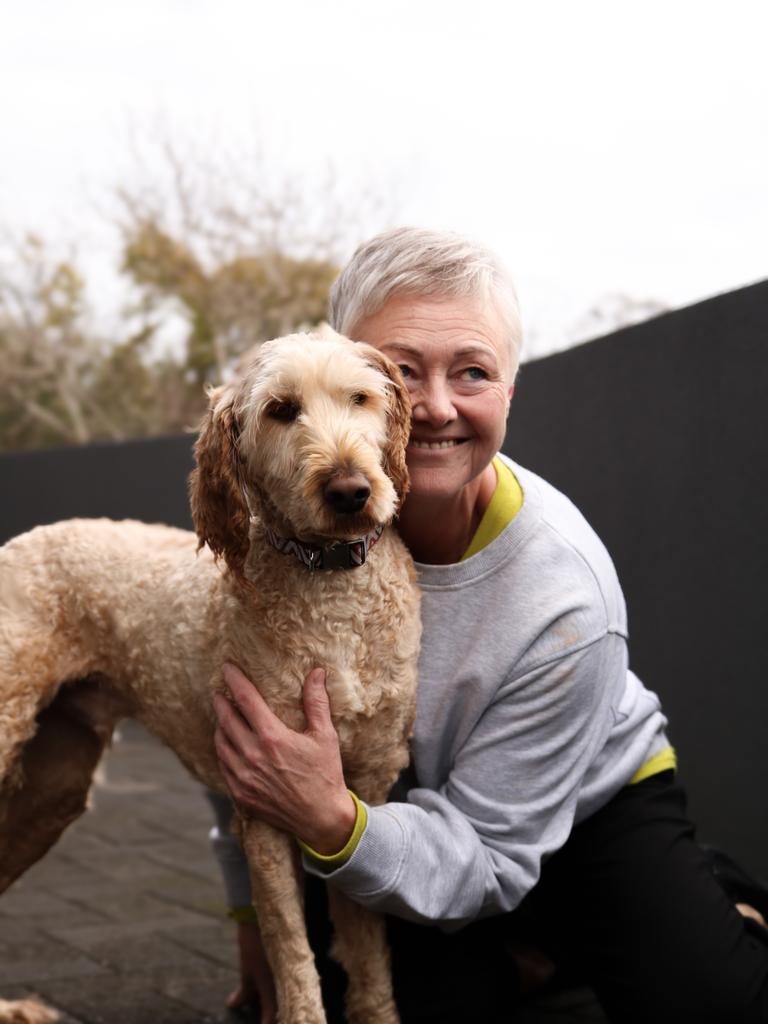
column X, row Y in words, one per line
column 347, row 492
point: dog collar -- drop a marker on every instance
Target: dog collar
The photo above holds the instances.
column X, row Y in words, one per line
column 339, row 554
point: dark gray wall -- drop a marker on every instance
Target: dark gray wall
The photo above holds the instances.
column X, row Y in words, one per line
column 658, row 434
column 144, row 480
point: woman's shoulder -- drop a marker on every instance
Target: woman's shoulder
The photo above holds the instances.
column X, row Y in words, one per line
column 564, row 555
column 568, row 525
column 547, row 567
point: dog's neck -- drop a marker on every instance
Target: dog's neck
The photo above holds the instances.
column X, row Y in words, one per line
column 334, row 554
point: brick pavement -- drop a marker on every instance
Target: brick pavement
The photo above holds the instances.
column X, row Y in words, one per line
column 123, row 921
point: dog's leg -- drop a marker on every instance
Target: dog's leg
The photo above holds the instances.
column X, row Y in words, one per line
column 277, row 897
column 360, row 936
column 34, row 661
column 52, row 777
column 360, row 946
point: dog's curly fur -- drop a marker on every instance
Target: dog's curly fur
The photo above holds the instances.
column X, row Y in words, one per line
column 101, row 619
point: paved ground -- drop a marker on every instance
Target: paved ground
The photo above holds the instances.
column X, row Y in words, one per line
column 123, row 922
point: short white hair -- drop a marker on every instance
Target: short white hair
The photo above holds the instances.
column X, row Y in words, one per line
column 418, row 261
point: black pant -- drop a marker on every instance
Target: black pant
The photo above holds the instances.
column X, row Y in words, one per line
column 629, row 905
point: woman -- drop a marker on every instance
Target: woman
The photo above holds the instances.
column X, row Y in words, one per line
column 542, row 794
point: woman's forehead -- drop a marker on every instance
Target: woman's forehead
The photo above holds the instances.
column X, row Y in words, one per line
column 458, row 349
column 439, row 331
column 454, row 327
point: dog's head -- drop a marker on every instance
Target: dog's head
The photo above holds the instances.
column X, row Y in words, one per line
column 311, row 438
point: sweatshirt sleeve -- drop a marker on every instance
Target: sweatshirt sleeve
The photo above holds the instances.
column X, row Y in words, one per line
column 475, row 846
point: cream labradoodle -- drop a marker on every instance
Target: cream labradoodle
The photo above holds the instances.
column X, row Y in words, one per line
column 301, row 466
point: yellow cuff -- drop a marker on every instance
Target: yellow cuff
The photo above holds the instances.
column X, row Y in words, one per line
column 243, row 915
column 660, row 762
column 335, row 860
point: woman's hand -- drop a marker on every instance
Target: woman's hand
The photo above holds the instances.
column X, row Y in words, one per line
column 293, row 780
column 256, row 982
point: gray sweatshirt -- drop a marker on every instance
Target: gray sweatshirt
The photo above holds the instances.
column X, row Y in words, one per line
column 528, row 721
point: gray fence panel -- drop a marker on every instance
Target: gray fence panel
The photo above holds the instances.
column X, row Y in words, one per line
column 144, row 480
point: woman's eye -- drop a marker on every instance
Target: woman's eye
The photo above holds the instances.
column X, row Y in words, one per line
column 404, row 369
column 285, row 412
column 476, row 373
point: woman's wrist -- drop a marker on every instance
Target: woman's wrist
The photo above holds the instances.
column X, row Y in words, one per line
column 331, row 836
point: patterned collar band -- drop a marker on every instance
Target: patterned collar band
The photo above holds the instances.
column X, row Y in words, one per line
column 340, row 554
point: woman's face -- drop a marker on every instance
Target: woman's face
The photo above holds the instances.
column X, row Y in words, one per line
column 456, row 363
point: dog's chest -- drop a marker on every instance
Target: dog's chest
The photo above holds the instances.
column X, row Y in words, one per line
column 318, row 623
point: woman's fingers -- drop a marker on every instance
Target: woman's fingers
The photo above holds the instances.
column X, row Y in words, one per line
column 248, row 700
column 259, row 716
column 232, row 726
column 317, row 707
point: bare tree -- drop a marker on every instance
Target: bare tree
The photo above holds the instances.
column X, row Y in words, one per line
column 61, row 382
column 46, row 355
column 241, row 253
column 232, row 250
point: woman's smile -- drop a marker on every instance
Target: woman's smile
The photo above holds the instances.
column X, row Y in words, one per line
column 433, row 446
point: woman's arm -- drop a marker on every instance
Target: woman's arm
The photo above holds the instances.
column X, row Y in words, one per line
column 475, row 846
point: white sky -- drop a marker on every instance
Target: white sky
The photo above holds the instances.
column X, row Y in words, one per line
column 599, row 146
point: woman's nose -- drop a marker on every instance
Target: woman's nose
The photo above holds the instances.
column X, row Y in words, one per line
column 433, row 403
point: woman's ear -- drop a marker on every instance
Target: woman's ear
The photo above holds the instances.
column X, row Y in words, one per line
column 399, row 418
column 219, row 510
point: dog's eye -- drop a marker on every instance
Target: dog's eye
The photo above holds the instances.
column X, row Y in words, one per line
column 286, row 412
column 360, row 398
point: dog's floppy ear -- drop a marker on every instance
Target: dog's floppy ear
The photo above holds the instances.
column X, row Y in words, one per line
column 399, row 420
column 219, row 511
